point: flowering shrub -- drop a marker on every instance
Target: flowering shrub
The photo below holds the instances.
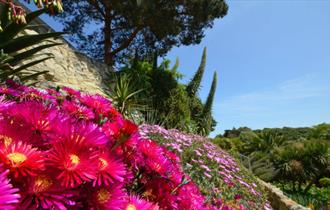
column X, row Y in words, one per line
column 62, row 149
column 225, row 184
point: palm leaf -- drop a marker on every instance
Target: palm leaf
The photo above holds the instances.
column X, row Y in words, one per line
column 11, row 30
column 29, row 53
column 22, row 42
column 33, row 76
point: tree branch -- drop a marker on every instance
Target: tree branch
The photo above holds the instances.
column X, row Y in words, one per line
column 127, row 42
column 97, row 7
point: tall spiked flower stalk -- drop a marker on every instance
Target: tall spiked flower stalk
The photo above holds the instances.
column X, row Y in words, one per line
column 195, row 83
column 63, row 149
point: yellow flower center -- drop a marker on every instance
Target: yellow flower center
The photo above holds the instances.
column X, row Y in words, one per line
column 42, row 183
column 148, row 194
column 16, row 157
column 6, row 140
column 74, row 160
column 130, row 207
column 103, row 163
column 103, row 196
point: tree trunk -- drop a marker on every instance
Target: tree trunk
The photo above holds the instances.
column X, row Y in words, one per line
column 299, row 185
column 108, row 58
column 293, row 186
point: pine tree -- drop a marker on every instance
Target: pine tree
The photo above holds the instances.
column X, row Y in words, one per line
column 111, row 30
column 206, row 116
column 195, row 83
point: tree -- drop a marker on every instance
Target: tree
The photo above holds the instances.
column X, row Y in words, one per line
column 115, row 30
column 194, row 84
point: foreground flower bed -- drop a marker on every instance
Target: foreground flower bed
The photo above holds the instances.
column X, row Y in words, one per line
column 221, row 179
column 61, row 149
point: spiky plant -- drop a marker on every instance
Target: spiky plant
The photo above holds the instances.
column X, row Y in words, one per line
column 194, row 85
column 206, row 116
column 123, row 96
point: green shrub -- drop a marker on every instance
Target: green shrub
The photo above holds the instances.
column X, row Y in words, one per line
column 325, row 182
column 164, row 98
column 177, row 114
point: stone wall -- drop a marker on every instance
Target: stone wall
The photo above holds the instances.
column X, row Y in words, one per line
column 278, row 200
column 73, row 69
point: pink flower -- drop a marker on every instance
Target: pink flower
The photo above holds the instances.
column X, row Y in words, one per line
column 80, row 133
column 72, row 163
column 110, row 169
column 43, row 192
column 22, row 160
column 8, row 195
column 35, row 118
column 78, row 111
column 108, row 198
column 136, row 203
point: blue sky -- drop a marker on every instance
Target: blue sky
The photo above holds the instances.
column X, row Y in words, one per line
column 273, row 63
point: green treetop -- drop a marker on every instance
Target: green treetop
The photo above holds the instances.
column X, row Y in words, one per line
column 121, row 28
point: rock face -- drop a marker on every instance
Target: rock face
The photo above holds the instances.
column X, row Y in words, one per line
column 278, row 200
column 73, row 69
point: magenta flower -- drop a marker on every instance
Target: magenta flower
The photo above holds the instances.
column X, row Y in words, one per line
column 43, row 193
column 136, row 203
column 72, row 163
column 78, row 111
column 22, row 160
column 8, row 195
column 110, row 170
column 36, row 118
column 108, row 198
column 98, row 103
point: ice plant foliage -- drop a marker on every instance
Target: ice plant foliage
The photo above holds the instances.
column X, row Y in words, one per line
column 62, row 149
column 225, row 184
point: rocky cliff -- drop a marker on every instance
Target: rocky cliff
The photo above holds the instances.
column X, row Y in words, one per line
column 73, row 69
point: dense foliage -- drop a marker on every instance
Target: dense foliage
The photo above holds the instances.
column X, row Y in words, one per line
column 122, row 29
column 220, row 177
column 62, row 149
column 156, row 89
column 297, row 159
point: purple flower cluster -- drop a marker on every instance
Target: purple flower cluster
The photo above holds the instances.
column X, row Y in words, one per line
column 225, row 183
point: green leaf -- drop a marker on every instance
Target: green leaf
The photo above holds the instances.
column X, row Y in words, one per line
column 32, row 76
column 11, row 30
column 25, row 66
column 4, row 21
column 20, row 43
column 29, row 53
column 21, row 68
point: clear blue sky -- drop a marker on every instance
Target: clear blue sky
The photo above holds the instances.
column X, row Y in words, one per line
column 273, row 63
